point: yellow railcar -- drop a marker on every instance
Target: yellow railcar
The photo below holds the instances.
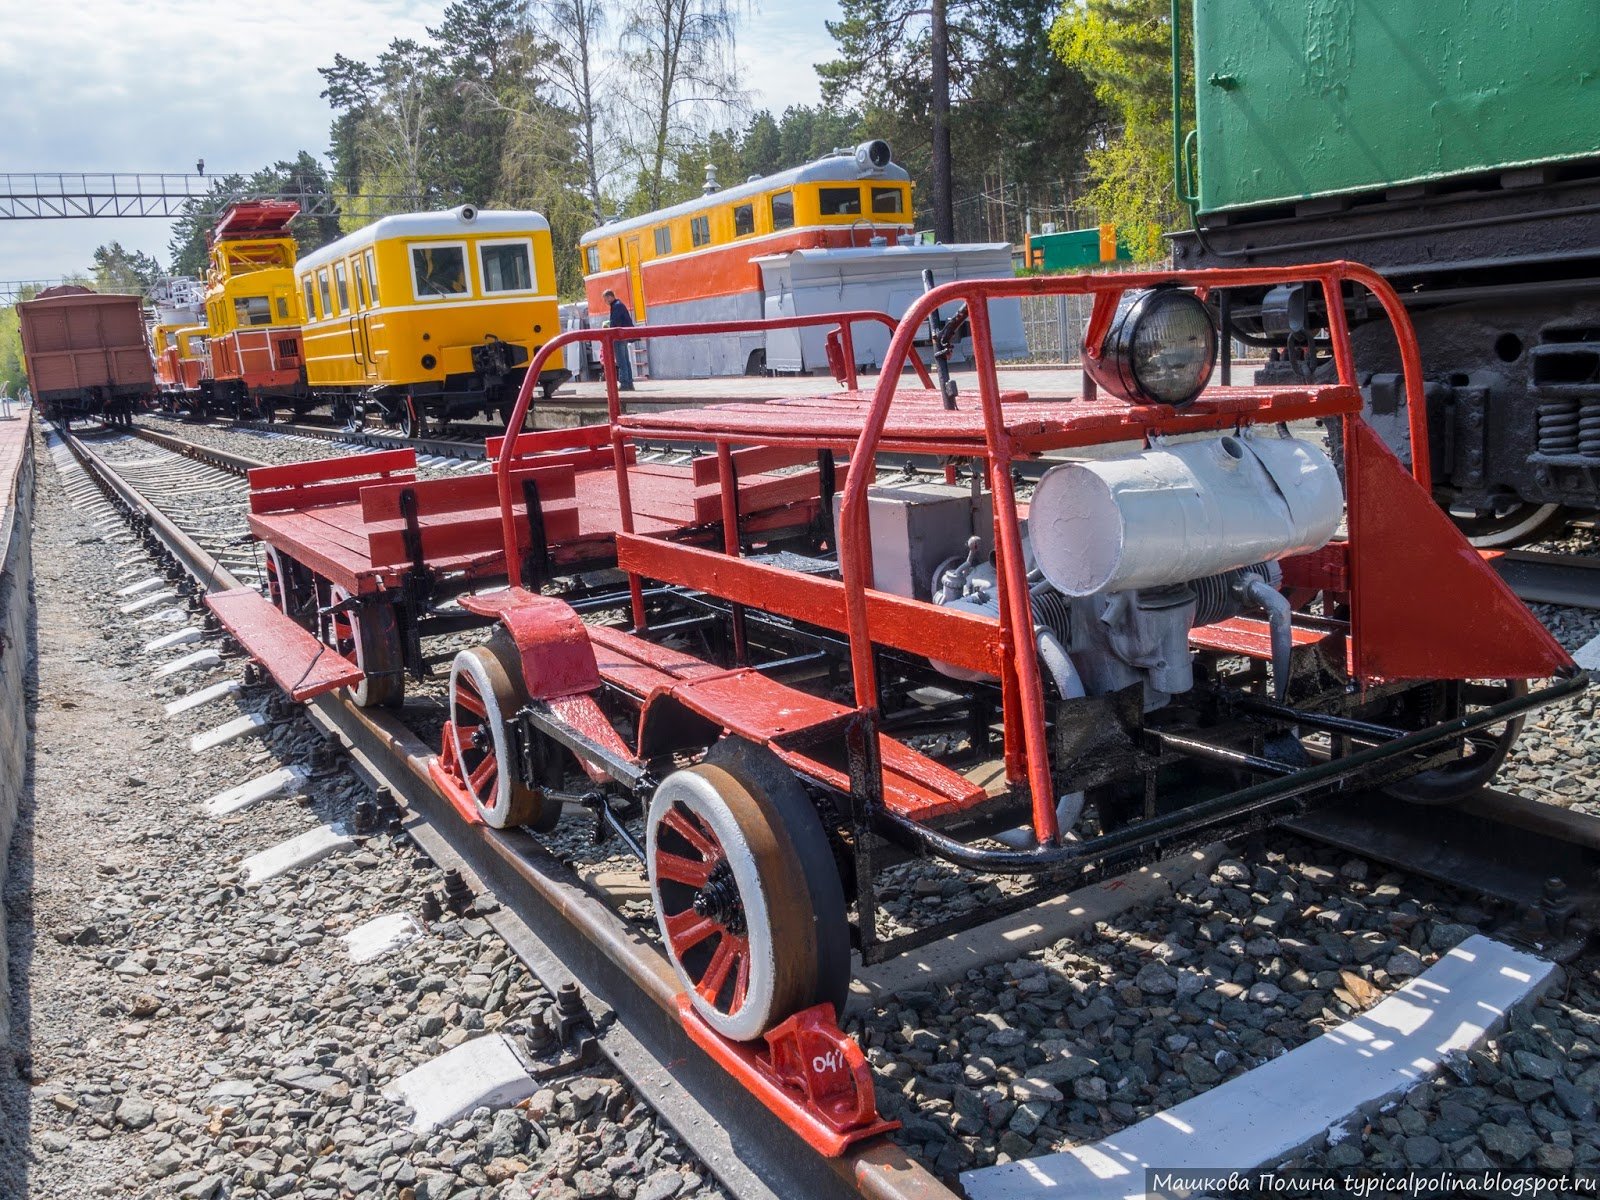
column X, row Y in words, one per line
column 428, row 317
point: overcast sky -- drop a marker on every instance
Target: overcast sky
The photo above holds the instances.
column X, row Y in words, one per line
column 153, row 85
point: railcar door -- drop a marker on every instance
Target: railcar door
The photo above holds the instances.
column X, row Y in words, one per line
column 633, row 258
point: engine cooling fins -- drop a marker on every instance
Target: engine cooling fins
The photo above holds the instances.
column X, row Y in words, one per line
column 1424, row 604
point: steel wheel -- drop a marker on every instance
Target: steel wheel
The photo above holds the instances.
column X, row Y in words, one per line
column 1509, row 523
column 483, row 693
column 278, row 581
column 412, row 422
column 1483, row 752
column 369, row 636
column 754, row 927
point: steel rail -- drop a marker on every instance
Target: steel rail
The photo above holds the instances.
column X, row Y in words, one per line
column 1539, row 577
column 565, row 934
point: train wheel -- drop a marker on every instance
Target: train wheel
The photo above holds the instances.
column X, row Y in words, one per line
column 412, row 422
column 482, row 694
column 277, row 581
column 754, row 927
column 1509, row 524
column 369, row 636
column 1483, row 752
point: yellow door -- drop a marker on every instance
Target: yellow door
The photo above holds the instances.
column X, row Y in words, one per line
column 635, row 277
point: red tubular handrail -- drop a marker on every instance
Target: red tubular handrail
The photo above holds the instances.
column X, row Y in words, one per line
column 606, row 339
column 855, row 545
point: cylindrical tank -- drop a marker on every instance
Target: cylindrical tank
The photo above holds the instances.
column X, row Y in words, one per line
column 1181, row 512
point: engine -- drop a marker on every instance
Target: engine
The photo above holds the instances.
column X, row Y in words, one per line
column 1126, row 555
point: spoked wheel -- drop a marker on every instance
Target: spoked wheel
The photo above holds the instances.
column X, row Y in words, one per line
column 278, row 581
column 289, row 586
column 483, row 694
column 1483, row 752
column 412, row 423
column 746, row 894
column 1508, row 523
column 369, row 636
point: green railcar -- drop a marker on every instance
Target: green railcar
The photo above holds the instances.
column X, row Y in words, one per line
column 1455, row 146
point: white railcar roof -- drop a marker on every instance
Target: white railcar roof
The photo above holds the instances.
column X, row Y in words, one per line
column 499, row 223
column 835, row 168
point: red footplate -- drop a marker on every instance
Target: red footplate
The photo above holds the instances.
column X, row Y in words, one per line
column 811, row 1073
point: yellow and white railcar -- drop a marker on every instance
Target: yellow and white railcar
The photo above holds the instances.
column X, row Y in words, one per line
column 430, row 316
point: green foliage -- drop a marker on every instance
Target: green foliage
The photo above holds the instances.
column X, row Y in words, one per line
column 12, row 370
column 304, row 178
column 118, row 270
column 1123, row 47
column 1021, row 115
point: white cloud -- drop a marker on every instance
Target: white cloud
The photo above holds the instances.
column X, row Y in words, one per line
column 114, row 85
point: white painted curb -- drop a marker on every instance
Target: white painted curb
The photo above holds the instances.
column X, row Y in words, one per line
column 485, row 1072
column 1261, row 1117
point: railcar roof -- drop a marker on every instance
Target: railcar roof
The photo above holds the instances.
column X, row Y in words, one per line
column 835, row 168
column 504, row 223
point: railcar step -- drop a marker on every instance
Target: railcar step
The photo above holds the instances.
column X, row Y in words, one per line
column 301, row 665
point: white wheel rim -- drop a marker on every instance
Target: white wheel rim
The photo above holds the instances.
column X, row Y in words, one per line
column 491, row 789
column 279, row 576
column 750, row 1018
column 346, row 626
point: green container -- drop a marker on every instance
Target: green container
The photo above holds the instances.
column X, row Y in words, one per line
column 1303, row 98
column 1070, row 249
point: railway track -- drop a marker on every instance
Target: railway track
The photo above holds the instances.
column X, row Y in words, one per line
column 571, row 937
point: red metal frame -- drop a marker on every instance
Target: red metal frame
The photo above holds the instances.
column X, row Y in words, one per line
column 1000, row 442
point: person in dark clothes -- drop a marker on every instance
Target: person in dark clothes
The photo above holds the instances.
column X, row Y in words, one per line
column 621, row 318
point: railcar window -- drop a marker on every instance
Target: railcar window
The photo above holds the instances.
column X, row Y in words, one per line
column 839, row 201
column 591, row 255
column 700, row 230
column 886, row 200
column 311, row 303
column 322, row 290
column 663, row 239
column 439, row 271
column 361, row 284
column 342, row 286
column 372, row 278
column 507, row 267
column 744, row 220
column 283, row 308
column 783, row 210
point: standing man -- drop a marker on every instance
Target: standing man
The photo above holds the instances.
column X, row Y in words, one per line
column 621, row 318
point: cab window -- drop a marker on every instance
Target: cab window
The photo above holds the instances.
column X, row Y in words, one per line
column 311, row 303
column 887, row 200
column 783, row 210
column 507, row 266
column 591, row 256
column 438, row 271
column 252, row 310
column 744, row 220
column 700, row 230
column 361, row 284
column 322, row 290
column 839, row 201
column 663, row 239
column 283, row 306
column 372, row 278
column 342, row 286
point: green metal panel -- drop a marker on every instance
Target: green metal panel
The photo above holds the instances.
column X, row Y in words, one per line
column 1073, row 248
column 1299, row 98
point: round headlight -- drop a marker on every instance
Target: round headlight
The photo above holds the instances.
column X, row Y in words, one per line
column 1159, row 350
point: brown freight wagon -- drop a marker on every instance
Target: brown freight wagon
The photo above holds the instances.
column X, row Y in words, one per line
column 86, row 353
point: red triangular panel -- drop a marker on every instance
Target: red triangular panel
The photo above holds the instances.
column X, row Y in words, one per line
column 1423, row 603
